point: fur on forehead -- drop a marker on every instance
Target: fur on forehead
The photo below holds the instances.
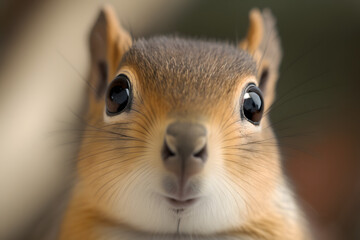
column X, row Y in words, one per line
column 174, row 65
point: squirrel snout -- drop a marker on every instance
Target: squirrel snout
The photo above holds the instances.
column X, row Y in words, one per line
column 184, row 151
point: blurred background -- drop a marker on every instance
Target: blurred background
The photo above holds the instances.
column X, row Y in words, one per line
column 44, row 63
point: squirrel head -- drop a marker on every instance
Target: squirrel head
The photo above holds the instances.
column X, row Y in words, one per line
column 177, row 128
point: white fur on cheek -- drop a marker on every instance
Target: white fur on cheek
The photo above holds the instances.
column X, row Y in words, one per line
column 221, row 210
column 138, row 203
column 140, row 207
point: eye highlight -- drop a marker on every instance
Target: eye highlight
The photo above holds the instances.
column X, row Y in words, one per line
column 118, row 96
column 252, row 107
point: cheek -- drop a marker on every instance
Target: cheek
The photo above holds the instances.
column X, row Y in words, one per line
column 106, row 174
column 251, row 163
column 107, row 161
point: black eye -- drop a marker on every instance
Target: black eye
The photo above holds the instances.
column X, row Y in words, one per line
column 118, row 95
column 253, row 104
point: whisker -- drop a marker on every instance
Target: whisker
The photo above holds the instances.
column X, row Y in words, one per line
column 296, row 115
column 302, row 55
column 109, row 160
column 279, row 98
column 88, row 84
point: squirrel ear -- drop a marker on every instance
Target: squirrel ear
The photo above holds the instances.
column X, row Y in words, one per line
column 263, row 43
column 108, row 43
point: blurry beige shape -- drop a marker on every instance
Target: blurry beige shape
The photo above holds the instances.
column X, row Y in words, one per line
column 37, row 90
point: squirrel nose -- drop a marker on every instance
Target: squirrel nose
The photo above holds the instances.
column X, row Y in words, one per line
column 184, row 152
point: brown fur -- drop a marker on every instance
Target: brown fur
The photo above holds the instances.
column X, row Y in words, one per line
column 174, row 78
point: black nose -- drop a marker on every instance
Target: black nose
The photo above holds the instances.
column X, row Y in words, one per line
column 185, row 149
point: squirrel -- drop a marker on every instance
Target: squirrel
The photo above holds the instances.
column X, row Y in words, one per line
column 177, row 142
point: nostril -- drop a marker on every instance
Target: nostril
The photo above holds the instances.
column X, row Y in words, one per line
column 166, row 152
column 202, row 153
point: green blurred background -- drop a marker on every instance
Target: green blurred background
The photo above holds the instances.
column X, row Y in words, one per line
column 316, row 117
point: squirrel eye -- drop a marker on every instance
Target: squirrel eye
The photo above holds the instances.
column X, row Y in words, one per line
column 118, row 95
column 253, row 105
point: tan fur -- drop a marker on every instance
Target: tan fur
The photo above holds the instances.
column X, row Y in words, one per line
column 255, row 33
column 263, row 43
column 119, row 164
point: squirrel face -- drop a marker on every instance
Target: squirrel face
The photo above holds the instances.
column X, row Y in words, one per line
column 177, row 136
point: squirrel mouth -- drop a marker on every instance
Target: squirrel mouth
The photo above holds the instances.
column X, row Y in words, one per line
column 181, row 203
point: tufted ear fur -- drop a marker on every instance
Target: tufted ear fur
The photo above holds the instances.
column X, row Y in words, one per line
column 108, row 43
column 263, row 43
